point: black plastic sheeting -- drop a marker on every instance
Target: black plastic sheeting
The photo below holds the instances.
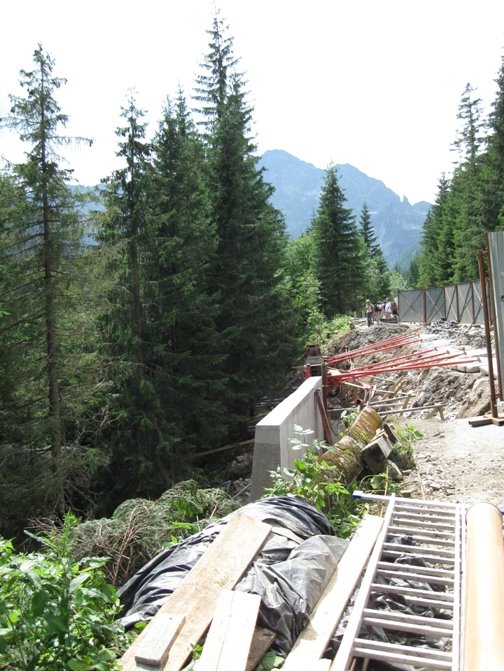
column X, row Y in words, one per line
column 290, row 572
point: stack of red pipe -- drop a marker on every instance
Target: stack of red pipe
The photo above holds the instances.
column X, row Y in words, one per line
column 414, row 361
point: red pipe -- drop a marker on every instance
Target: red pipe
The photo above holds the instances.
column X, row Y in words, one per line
column 353, row 354
column 401, row 360
column 380, row 346
column 341, row 376
column 391, row 366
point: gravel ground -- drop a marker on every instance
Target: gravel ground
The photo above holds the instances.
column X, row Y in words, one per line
column 458, row 462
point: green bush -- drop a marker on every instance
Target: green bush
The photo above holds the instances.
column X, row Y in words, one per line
column 402, row 454
column 140, row 528
column 57, row 614
column 324, row 331
column 313, row 480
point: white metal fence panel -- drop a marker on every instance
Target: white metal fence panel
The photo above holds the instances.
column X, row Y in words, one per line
column 460, row 303
column 435, row 306
column 451, row 298
column 410, row 305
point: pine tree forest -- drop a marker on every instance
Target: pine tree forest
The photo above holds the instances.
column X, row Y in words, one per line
column 470, row 202
column 145, row 319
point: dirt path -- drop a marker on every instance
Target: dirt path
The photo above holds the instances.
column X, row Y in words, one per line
column 458, row 462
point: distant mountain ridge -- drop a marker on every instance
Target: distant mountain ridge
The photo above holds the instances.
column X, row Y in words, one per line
column 398, row 223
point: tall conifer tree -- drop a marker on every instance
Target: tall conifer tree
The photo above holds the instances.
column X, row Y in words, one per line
column 437, row 241
column 493, row 164
column 368, row 232
column 255, row 310
column 45, row 239
column 462, row 232
column 136, row 461
column 338, row 259
column 183, row 306
column 377, row 272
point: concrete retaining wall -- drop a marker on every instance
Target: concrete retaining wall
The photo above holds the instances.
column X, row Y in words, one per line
column 272, row 446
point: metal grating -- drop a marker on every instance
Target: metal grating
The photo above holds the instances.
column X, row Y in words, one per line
column 418, row 558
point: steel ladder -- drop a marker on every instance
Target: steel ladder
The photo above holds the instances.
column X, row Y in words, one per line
column 431, row 579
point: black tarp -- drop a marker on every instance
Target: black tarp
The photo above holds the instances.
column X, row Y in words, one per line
column 289, row 573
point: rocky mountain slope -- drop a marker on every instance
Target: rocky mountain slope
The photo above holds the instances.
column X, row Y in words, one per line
column 397, row 222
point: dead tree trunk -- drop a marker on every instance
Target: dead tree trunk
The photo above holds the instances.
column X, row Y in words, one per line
column 346, row 453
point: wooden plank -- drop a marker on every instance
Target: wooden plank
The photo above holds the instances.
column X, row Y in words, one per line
column 373, row 457
column 160, row 634
column 310, row 645
column 390, row 432
column 221, row 566
column 400, row 411
column 480, row 421
column 229, row 639
column 262, row 641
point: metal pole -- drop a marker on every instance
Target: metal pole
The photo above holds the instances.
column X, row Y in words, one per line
column 496, row 336
column 323, row 416
column 472, row 304
column 491, row 379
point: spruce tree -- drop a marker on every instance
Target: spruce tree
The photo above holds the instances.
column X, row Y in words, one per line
column 454, row 228
column 470, row 139
column 413, row 273
column 463, row 235
column 436, row 263
column 135, row 459
column 183, row 306
column 368, row 232
column 255, row 319
column 44, row 242
column 377, row 272
column 338, row 259
column 461, row 240
column 493, row 162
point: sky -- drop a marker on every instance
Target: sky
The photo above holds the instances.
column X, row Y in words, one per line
column 373, row 83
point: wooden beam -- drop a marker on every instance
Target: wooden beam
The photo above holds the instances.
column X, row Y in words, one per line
column 224, row 448
column 159, row 636
column 221, row 566
column 228, row 641
column 479, row 421
column 262, row 641
column 309, row 647
column 400, row 411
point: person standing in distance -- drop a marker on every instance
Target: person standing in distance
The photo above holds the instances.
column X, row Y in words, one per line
column 369, row 312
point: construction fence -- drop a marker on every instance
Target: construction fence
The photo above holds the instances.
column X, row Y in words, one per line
column 460, row 303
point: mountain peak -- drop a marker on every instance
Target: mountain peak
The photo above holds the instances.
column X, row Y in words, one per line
column 398, row 224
